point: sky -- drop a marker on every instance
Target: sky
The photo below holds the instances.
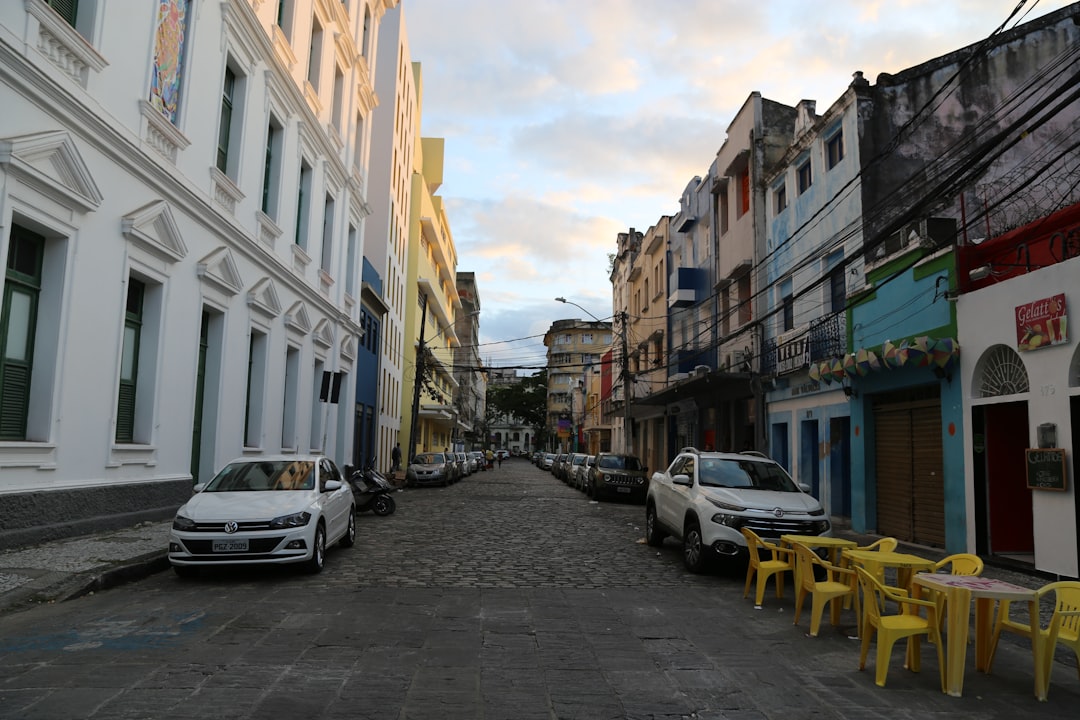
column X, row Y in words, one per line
column 567, row 122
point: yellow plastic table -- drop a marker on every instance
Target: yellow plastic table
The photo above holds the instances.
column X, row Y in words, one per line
column 875, row 563
column 833, row 544
column 959, row 591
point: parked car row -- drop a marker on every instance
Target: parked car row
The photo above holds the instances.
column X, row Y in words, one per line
column 442, row 468
column 606, row 476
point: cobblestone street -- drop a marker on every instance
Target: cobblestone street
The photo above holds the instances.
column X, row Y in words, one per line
column 508, row 595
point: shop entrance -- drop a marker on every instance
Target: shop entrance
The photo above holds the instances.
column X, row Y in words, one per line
column 1009, row 526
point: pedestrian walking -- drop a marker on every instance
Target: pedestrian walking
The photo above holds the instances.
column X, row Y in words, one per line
column 499, row 456
column 395, row 458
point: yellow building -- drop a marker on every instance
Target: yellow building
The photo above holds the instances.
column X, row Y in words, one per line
column 429, row 418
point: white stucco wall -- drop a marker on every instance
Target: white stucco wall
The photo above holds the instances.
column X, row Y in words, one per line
column 985, row 319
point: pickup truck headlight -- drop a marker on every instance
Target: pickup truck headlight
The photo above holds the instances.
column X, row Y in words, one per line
column 727, row 506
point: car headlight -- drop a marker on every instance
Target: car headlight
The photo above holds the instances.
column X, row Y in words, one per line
column 183, row 523
column 299, row 519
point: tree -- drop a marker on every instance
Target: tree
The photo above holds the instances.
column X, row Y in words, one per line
column 524, row 401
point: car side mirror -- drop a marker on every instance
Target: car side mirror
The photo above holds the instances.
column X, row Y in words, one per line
column 682, row 480
column 196, row 489
column 805, row 488
column 331, row 485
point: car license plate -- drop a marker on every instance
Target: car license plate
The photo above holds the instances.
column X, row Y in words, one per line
column 238, row 545
column 623, row 489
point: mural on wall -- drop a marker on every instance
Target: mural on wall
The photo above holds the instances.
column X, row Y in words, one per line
column 169, row 57
column 1041, row 323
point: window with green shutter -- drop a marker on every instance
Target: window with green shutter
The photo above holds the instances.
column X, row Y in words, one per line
column 129, row 362
column 67, row 9
column 18, row 325
column 226, row 120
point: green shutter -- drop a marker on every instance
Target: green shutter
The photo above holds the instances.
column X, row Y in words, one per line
column 125, row 413
column 14, row 401
column 67, row 9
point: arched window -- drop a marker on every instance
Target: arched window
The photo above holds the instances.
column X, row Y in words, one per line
column 1000, row 371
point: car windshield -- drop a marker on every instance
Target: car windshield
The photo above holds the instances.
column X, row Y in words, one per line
column 258, row 475
column 429, row 459
column 619, row 462
column 717, row 472
column 579, row 459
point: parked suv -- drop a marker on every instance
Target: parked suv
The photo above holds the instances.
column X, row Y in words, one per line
column 615, row 475
column 705, row 498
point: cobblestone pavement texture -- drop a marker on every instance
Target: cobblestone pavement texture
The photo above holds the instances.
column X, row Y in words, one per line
column 506, row 596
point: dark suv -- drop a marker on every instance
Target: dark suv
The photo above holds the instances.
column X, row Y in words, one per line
column 615, row 475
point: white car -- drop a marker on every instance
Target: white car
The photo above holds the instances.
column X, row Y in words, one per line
column 705, row 498
column 279, row 509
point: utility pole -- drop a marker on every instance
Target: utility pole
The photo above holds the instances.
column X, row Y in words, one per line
column 628, row 430
column 421, row 369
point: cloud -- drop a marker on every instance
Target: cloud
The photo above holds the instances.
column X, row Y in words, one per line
column 568, row 122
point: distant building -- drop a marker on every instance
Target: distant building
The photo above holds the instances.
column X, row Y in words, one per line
column 471, row 396
column 574, row 346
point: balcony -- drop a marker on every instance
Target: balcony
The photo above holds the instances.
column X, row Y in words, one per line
column 687, row 287
column 687, row 360
column 823, row 339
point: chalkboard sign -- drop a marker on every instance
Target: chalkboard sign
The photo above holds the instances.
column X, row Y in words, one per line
column 1046, row 469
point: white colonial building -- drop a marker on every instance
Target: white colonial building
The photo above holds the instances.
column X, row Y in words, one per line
column 182, row 202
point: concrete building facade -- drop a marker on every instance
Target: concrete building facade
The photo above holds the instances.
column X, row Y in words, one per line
column 183, row 258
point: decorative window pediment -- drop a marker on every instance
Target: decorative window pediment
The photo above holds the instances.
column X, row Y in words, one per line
column 219, row 269
column 263, row 298
column 51, row 164
column 153, row 228
column 297, row 318
column 324, row 334
column 348, row 347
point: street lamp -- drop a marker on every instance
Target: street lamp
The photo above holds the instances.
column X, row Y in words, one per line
column 570, row 302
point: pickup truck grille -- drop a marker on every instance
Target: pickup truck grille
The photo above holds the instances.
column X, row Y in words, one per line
column 773, row 528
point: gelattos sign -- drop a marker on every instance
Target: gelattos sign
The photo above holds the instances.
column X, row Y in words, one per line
column 1041, row 323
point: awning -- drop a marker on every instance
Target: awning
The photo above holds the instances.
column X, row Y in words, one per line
column 705, row 390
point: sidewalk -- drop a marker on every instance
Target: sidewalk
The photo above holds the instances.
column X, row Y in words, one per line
column 69, row 568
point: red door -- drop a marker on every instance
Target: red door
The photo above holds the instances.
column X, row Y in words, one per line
column 1011, row 525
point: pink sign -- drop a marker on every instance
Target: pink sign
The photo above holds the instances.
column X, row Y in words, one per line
column 1041, row 323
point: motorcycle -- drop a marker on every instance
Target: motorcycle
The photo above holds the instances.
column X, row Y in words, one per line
column 372, row 491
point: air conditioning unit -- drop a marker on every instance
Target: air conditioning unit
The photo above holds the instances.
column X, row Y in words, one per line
column 702, row 370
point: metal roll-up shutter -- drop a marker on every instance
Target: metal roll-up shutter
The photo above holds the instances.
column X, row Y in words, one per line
column 928, row 479
column 893, row 452
column 910, row 467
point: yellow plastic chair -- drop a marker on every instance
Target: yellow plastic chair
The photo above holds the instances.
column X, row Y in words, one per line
column 783, row 560
column 837, row 585
column 908, row 623
column 961, row 564
column 885, row 544
column 958, row 564
column 1064, row 626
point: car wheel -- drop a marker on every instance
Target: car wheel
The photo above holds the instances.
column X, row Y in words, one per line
column 693, row 554
column 349, row 538
column 318, row 553
column 653, row 534
column 185, row 571
column 384, row 505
